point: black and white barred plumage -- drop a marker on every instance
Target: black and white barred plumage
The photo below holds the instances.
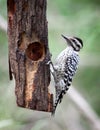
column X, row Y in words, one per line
column 65, row 67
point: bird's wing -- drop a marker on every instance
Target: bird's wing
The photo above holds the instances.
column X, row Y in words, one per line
column 71, row 66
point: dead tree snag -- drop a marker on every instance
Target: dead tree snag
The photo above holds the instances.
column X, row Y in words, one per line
column 29, row 52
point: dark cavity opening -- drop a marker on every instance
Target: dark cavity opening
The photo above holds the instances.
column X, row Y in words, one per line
column 35, row 51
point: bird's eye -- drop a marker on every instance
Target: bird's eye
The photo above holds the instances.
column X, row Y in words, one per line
column 78, row 46
column 73, row 40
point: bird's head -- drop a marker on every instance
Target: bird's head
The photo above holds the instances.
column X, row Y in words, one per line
column 75, row 42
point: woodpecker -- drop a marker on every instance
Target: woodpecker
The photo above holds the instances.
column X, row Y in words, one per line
column 65, row 67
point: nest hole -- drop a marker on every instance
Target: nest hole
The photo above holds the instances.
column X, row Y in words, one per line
column 35, row 51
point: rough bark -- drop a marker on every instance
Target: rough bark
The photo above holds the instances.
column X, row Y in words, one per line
column 29, row 52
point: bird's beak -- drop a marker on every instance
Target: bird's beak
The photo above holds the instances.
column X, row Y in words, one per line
column 67, row 39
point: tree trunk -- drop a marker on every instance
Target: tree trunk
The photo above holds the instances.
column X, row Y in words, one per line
column 29, row 52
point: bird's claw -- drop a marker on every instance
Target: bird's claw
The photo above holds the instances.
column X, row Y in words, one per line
column 49, row 62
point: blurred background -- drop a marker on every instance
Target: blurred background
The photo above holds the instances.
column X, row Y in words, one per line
column 80, row 108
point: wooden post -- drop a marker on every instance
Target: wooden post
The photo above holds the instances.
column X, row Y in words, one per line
column 29, row 52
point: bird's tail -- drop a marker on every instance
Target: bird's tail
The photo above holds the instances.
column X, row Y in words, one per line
column 58, row 100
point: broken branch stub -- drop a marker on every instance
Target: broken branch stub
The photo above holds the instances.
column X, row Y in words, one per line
column 29, row 52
